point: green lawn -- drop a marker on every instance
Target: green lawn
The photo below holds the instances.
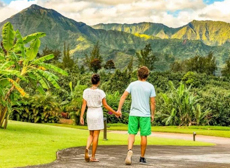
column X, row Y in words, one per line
column 219, row 131
column 25, row 144
column 202, row 130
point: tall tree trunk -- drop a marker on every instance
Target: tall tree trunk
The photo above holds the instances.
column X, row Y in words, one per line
column 3, row 115
column 6, row 121
column 4, row 111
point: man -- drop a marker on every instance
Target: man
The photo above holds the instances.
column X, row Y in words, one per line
column 143, row 99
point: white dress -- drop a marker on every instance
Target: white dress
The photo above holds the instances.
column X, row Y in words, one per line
column 94, row 98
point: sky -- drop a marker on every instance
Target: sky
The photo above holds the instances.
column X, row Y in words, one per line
column 173, row 13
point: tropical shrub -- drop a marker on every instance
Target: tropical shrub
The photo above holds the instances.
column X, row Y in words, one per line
column 37, row 109
column 217, row 99
column 160, row 80
column 72, row 104
column 195, row 79
column 118, row 81
column 180, row 107
column 113, row 101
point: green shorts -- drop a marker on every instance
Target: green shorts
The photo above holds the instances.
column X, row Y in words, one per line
column 144, row 123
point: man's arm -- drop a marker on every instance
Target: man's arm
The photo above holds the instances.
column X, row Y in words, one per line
column 122, row 100
column 153, row 105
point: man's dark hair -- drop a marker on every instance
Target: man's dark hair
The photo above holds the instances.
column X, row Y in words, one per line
column 143, row 72
column 95, row 79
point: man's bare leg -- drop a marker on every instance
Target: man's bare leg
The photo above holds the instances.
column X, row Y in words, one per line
column 143, row 145
column 131, row 140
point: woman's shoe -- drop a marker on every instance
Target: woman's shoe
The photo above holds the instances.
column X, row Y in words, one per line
column 87, row 155
column 93, row 160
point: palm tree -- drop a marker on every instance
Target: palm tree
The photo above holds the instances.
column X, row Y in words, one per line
column 19, row 62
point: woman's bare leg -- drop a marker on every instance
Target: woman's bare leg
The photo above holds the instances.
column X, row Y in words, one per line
column 90, row 139
column 95, row 142
column 89, row 142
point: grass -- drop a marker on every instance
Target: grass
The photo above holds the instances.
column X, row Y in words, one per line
column 202, row 130
column 24, row 144
column 218, row 131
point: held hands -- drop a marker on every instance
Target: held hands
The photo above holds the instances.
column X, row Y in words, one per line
column 118, row 114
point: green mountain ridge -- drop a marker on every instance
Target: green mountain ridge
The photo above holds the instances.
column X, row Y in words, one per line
column 148, row 28
column 210, row 32
column 117, row 45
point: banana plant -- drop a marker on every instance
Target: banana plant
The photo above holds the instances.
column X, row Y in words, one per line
column 180, row 106
column 19, row 62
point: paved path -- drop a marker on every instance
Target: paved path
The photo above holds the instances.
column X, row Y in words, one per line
column 157, row 156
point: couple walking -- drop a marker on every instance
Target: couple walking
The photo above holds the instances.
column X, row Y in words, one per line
column 140, row 117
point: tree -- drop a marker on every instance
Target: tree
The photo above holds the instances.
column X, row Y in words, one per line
column 146, row 58
column 110, row 65
column 118, row 81
column 210, row 64
column 94, row 60
column 67, row 62
column 202, row 64
column 20, row 63
column 95, row 65
column 197, row 64
column 130, row 65
column 56, row 53
column 226, row 69
column 177, row 67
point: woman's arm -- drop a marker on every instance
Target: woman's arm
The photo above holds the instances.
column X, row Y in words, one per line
column 107, row 106
column 83, row 111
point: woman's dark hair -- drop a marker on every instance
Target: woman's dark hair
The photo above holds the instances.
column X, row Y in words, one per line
column 95, row 79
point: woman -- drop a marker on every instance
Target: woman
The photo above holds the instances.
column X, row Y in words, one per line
column 94, row 98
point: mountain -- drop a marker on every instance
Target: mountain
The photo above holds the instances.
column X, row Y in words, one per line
column 147, row 28
column 60, row 29
column 115, row 44
column 210, row 32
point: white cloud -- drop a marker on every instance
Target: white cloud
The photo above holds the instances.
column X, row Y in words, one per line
column 122, row 11
column 128, row 11
column 111, row 2
column 6, row 12
column 14, row 7
column 216, row 11
column 21, row 4
column 184, row 4
column 1, row 4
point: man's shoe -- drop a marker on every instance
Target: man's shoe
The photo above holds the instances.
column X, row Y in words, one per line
column 142, row 160
column 128, row 160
